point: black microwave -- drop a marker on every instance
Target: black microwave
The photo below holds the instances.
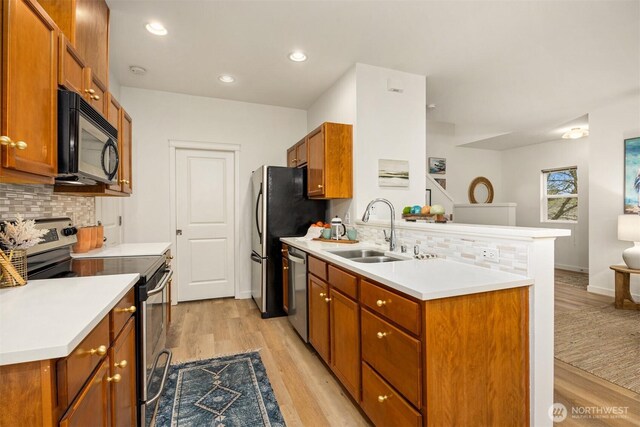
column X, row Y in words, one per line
column 87, row 143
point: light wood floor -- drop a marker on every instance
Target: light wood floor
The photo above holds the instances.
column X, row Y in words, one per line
column 309, row 395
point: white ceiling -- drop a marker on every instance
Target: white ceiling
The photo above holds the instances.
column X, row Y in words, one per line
column 492, row 67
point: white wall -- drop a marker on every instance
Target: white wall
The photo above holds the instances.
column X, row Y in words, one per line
column 337, row 104
column 521, row 172
column 387, row 125
column 609, row 126
column 264, row 133
column 390, row 126
column 463, row 164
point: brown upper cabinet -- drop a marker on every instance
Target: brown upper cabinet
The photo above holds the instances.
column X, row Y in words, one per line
column 28, row 142
column 330, row 162
column 297, row 154
column 86, row 24
column 124, row 143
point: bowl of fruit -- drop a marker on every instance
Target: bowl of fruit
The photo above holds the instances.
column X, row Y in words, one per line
column 424, row 213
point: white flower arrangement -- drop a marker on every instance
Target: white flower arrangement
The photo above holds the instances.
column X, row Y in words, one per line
column 20, row 234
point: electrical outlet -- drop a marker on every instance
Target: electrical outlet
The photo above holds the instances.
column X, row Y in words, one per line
column 347, row 218
column 492, row 255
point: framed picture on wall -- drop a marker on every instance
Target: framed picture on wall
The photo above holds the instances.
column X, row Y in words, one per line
column 393, row 173
column 437, row 165
column 442, row 182
column 632, row 175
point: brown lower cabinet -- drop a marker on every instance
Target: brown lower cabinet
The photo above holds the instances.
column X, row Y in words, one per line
column 461, row 360
column 93, row 386
column 334, row 332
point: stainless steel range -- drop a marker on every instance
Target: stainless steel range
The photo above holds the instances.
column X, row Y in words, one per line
column 52, row 259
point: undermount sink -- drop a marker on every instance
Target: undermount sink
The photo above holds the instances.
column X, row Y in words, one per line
column 368, row 256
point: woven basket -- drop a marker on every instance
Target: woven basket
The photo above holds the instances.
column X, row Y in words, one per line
column 13, row 268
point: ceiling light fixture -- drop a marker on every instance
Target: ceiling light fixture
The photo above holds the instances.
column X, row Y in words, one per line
column 297, row 56
column 575, row 133
column 138, row 70
column 156, row 28
column 226, row 78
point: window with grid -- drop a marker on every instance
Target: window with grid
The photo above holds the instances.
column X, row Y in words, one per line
column 560, row 195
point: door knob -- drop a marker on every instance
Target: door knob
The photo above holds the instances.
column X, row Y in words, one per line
column 5, row 140
column 116, row 378
column 123, row 364
column 90, row 91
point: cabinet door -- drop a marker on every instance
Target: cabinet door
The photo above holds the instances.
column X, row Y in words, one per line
column 92, row 36
column 315, row 164
column 285, row 283
column 125, row 143
column 291, row 157
column 29, row 90
column 95, row 91
column 92, row 407
column 345, row 341
column 301, row 153
column 319, row 317
column 71, row 67
column 123, row 392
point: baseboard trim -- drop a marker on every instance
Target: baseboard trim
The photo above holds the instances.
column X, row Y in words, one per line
column 572, row 268
column 244, row 295
column 608, row 292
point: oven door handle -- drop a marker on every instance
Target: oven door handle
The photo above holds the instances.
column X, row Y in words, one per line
column 164, row 374
column 163, row 285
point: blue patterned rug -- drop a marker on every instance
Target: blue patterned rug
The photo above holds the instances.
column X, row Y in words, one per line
column 230, row 391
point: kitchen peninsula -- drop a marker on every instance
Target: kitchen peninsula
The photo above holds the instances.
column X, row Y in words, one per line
column 451, row 341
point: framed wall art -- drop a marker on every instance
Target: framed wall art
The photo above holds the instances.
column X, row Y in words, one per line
column 632, row 175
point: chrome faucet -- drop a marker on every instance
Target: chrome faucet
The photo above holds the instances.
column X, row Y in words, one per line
column 392, row 236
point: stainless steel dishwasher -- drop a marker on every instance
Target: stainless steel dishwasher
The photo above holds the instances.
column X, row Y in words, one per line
column 298, row 292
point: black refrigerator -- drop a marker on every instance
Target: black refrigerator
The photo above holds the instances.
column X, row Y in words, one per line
column 281, row 209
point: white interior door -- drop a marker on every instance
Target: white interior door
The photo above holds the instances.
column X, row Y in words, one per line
column 206, row 220
column 109, row 214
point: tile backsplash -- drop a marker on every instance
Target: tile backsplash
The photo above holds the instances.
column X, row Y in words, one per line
column 512, row 256
column 37, row 201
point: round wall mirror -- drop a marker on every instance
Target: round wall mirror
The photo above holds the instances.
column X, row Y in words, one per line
column 480, row 190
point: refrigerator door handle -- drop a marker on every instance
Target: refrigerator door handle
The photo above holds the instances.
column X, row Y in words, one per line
column 256, row 258
column 257, row 213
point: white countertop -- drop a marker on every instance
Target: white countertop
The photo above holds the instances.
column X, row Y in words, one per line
column 47, row 319
column 126, row 249
column 423, row 279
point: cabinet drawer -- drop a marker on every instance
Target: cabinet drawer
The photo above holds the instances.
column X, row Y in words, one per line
column 383, row 404
column 74, row 370
column 318, row 268
column 121, row 313
column 394, row 354
column 400, row 310
column 343, row 281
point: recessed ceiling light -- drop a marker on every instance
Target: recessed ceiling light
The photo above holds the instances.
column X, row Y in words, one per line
column 156, row 28
column 138, row 70
column 575, row 133
column 226, row 78
column 297, row 56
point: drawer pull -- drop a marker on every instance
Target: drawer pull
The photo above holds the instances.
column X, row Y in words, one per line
column 322, row 295
column 90, row 91
column 381, row 335
column 320, row 186
column 381, row 399
column 327, row 300
column 116, row 378
column 131, row 309
column 380, row 303
column 123, row 364
column 285, row 268
column 100, row 351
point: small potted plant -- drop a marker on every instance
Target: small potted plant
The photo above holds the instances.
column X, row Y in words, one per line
column 15, row 238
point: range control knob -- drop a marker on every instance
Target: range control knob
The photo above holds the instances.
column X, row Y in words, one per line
column 69, row 231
